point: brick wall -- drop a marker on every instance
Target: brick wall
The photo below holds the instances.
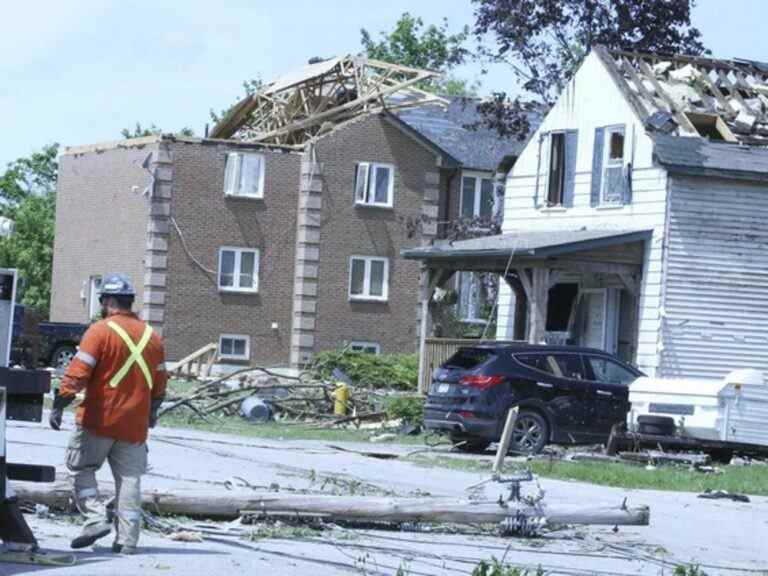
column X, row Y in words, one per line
column 101, row 224
column 348, row 230
column 196, row 313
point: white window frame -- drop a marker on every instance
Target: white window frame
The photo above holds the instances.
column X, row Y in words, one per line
column 608, row 163
column 364, row 346
column 370, row 170
column 233, row 175
column 478, row 178
column 366, row 295
column 246, row 356
column 236, row 272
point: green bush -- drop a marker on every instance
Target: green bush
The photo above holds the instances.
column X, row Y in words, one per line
column 409, row 408
column 396, row 371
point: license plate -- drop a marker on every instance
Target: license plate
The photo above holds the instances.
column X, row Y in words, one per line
column 443, row 388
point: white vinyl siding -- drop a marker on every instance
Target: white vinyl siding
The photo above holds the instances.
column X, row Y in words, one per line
column 234, row 347
column 238, row 269
column 368, row 278
column 374, row 184
column 244, row 175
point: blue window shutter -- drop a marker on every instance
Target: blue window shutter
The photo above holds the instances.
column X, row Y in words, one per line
column 571, row 143
column 597, row 166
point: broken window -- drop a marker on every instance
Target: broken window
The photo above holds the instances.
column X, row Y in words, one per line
column 244, row 175
column 238, row 270
column 556, row 169
column 366, row 347
column 613, row 166
column 476, row 196
column 234, row 347
column 368, row 278
column 374, row 184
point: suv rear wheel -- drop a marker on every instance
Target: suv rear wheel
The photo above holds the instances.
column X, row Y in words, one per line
column 469, row 444
column 530, row 433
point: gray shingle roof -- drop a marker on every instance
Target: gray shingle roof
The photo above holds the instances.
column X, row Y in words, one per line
column 529, row 244
column 480, row 149
column 700, row 156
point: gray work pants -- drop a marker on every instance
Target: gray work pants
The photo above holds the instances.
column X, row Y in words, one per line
column 85, row 455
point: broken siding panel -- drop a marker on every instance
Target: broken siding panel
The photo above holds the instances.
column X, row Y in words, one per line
column 716, row 298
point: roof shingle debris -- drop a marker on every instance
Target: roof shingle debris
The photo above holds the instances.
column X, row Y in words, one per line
column 719, row 99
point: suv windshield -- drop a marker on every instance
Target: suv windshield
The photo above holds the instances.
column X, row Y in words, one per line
column 468, row 358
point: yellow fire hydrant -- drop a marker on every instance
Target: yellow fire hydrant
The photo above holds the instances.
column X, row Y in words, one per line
column 341, row 399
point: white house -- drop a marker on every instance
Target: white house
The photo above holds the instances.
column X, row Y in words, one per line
column 636, row 219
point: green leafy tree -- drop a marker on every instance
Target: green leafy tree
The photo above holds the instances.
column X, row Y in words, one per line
column 140, row 131
column 432, row 48
column 544, row 42
column 28, row 198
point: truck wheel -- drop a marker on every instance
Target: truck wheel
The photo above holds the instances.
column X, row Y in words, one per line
column 62, row 356
column 530, row 433
column 469, row 445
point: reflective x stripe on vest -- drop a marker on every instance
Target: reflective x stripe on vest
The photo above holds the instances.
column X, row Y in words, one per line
column 135, row 357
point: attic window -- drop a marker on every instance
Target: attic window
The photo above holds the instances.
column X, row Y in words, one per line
column 711, row 126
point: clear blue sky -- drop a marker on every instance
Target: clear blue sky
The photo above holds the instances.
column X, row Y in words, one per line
column 78, row 71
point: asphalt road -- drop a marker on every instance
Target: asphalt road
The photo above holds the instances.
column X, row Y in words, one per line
column 723, row 537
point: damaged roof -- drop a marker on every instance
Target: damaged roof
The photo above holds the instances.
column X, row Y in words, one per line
column 308, row 102
column 449, row 127
column 700, row 157
column 528, row 244
column 692, row 96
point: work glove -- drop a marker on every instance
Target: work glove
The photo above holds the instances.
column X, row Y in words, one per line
column 156, row 403
column 57, row 412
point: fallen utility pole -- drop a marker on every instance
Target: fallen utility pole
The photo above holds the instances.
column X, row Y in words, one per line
column 228, row 505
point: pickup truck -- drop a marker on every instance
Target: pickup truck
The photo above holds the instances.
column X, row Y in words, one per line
column 36, row 343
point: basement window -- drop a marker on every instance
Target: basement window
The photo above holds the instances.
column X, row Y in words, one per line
column 244, row 175
column 368, row 278
column 711, row 126
column 234, row 347
column 374, row 184
column 365, row 347
column 238, row 270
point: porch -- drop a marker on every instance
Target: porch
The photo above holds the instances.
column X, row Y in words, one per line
column 579, row 287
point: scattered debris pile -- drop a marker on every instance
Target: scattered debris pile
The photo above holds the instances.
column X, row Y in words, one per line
column 691, row 96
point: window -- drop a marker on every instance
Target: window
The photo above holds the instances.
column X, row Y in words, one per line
column 610, row 372
column 366, row 347
column 559, row 365
column 94, row 287
column 612, row 191
column 238, row 270
column 234, row 347
column 469, row 306
column 374, row 184
column 368, row 278
column 244, row 175
column 556, row 169
column 476, row 197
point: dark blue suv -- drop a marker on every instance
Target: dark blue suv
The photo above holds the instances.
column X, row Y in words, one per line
column 565, row 394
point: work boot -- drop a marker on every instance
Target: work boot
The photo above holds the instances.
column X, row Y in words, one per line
column 123, row 549
column 91, row 533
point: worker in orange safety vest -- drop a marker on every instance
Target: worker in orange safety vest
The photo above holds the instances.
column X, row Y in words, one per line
column 120, row 365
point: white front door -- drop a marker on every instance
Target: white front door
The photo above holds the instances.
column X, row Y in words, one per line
column 594, row 327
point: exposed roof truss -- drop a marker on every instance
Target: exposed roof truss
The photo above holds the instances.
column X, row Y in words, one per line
column 298, row 106
column 721, row 99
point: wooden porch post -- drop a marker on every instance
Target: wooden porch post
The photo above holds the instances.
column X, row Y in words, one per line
column 536, row 289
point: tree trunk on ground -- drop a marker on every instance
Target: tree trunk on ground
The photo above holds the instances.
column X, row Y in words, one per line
column 225, row 504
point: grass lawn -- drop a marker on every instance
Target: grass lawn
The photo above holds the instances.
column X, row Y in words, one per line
column 740, row 479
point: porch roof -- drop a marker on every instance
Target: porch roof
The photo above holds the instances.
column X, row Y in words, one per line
column 528, row 245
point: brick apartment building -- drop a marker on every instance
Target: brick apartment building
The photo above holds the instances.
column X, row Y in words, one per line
column 273, row 253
